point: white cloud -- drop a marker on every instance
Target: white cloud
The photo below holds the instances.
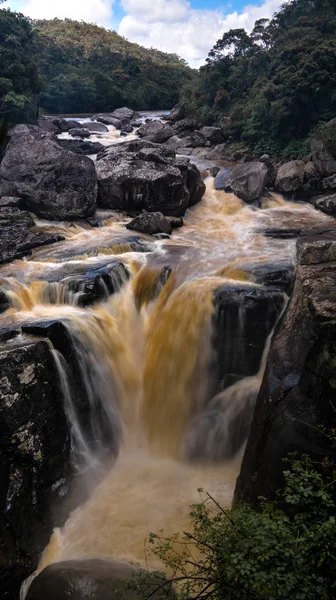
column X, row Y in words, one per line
column 93, row 11
column 173, row 26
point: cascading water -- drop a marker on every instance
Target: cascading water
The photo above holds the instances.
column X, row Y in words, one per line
column 146, row 360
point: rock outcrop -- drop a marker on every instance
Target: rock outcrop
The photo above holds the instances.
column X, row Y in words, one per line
column 290, row 176
column 51, row 181
column 247, row 181
column 19, row 236
column 151, row 223
column 140, row 175
column 214, row 135
column 94, row 580
column 298, row 391
column 156, row 132
column 95, row 127
column 84, row 147
column 79, row 132
column 34, row 451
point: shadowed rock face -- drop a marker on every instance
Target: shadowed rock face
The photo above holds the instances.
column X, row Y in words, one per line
column 52, row 182
column 34, row 449
column 141, row 175
column 151, row 223
column 244, row 317
column 156, row 131
column 91, row 580
column 81, row 146
column 18, row 235
column 298, row 390
column 247, row 181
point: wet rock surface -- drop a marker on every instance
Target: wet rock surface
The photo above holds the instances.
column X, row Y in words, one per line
column 84, row 147
column 156, row 132
column 244, row 317
column 19, row 236
column 141, row 175
column 246, row 181
column 34, row 450
column 298, row 391
column 91, row 580
column 151, row 223
column 52, row 182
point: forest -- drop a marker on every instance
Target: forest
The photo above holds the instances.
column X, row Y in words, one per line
column 66, row 66
column 271, row 88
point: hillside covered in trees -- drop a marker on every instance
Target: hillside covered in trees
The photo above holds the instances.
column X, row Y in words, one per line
column 77, row 67
column 275, row 84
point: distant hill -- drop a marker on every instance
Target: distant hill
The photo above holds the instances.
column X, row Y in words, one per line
column 86, row 68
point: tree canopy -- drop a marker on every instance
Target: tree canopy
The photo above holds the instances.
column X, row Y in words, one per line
column 276, row 83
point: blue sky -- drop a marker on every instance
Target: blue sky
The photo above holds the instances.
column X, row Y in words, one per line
column 188, row 28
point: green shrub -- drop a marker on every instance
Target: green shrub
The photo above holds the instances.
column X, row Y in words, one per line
column 286, row 550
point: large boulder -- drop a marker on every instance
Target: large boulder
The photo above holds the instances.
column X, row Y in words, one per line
column 18, row 235
column 184, row 126
column 156, row 131
column 57, row 125
column 95, row 127
column 124, row 113
column 322, row 159
column 213, row 134
column 35, row 450
column 84, row 147
column 140, row 175
column 326, row 204
column 107, row 119
column 247, row 181
column 298, row 390
column 80, row 132
column 177, row 113
column 290, row 176
column 151, row 223
column 52, row 182
column 95, row 580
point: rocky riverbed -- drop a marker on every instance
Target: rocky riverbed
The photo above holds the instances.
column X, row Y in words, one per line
column 138, row 295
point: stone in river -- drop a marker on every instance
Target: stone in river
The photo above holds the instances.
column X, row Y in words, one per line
column 151, row 223
column 95, row 127
column 80, row 132
column 247, row 181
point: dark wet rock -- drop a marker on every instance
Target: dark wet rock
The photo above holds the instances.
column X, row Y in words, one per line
column 136, row 123
column 326, row 204
column 278, row 276
column 247, row 181
column 329, row 183
column 324, row 163
column 52, row 182
column 298, row 390
column 18, row 234
column 123, row 113
column 83, row 147
column 97, row 283
column 244, row 317
column 57, row 125
column 214, row 171
column 213, row 134
column 4, row 303
column 282, row 234
column 80, row 132
column 93, row 580
column 34, row 451
column 108, row 120
column 151, row 223
column 193, row 140
column 290, row 176
column 49, row 125
column 177, row 113
column 142, row 175
column 184, row 126
column 95, row 127
column 126, row 129
column 156, row 132
column 176, row 222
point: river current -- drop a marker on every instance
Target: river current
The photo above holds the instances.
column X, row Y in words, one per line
column 149, row 351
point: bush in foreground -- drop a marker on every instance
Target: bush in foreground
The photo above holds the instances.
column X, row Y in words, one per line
column 286, row 550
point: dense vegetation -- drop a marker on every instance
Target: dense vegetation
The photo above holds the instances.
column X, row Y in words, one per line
column 275, row 84
column 78, row 67
column 86, row 68
column 19, row 79
column 285, row 550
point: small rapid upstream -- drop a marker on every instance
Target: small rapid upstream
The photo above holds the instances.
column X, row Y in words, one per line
column 146, row 357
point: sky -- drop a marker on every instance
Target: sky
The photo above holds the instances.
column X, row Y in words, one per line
column 187, row 28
